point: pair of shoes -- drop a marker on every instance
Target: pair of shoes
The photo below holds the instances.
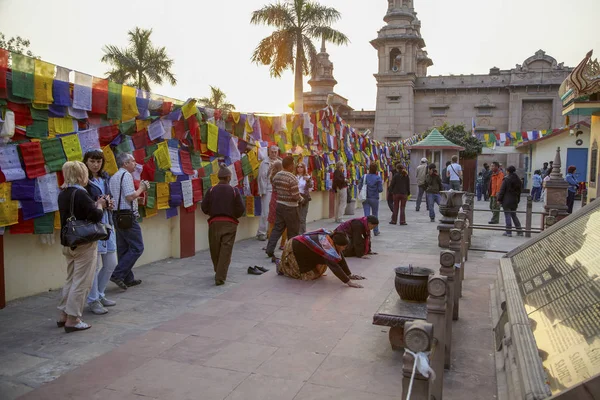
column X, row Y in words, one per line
column 134, row 282
column 432, row 219
column 119, row 283
column 254, row 271
column 519, row 233
column 107, row 303
column 392, row 223
column 507, row 234
column 403, row 223
column 262, row 238
column 81, row 326
column 270, row 255
column 60, row 324
column 493, row 222
column 219, row 282
column 376, row 233
column 97, row 308
column 417, row 209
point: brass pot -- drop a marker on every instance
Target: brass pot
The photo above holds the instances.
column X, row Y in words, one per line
column 411, row 283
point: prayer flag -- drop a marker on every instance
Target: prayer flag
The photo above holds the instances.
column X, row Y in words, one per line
column 47, row 187
column 110, row 163
column 10, row 164
column 82, row 91
column 213, row 135
column 189, row 108
column 156, row 130
column 107, row 134
column 42, row 83
column 60, row 126
column 3, row 70
column 72, row 147
column 163, row 158
column 61, row 91
column 88, row 140
column 129, row 103
column 44, row 224
column 250, row 206
column 9, row 208
column 114, row 100
column 23, row 68
column 99, row 95
column 187, row 193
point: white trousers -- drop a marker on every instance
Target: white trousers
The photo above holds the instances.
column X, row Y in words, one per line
column 263, row 225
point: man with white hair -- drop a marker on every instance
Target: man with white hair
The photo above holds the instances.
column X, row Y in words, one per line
column 130, row 244
column 265, row 190
column 421, row 177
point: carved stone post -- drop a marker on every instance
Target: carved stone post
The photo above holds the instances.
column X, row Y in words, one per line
column 556, row 190
column 418, row 336
column 436, row 315
column 449, row 207
column 528, row 216
column 551, row 218
column 470, row 210
column 455, row 246
column 447, row 261
column 464, row 216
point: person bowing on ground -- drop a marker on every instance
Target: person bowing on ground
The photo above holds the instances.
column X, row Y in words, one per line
column 307, row 257
column 358, row 231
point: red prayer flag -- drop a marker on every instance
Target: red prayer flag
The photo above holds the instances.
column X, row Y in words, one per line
column 197, row 189
column 140, row 139
column 23, row 227
column 166, row 107
column 33, row 158
column 179, row 128
column 22, row 113
column 148, row 170
column 3, row 69
column 107, row 134
column 139, row 155
column 100, row 96
column 186, row 162
column 239, row 171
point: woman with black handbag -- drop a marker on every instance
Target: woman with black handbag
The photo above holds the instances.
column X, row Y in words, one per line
column 81, row 228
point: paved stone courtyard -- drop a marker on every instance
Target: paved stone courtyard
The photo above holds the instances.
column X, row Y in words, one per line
column 258, row 337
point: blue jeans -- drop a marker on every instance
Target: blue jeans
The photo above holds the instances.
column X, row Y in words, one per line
column 106, row 265
column 479, row 191
column 433, row 198
column 371, row 207
column 130, row 246
column 511, row 216
column 535, row 193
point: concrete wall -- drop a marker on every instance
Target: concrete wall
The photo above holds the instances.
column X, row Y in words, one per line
column 594, row 137
column 32, row 267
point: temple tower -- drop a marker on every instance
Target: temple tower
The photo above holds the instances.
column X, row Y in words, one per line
column 402, row 59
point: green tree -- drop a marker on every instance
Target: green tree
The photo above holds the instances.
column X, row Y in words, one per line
column 217, row 100
column 139, row 64
column 16, row 45
column 297, row 23
column 457, row 134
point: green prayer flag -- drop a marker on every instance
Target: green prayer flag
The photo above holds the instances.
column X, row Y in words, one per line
column 39, row 115
column 150, row 150
column 128, row 127
column 204, row 133
column 196, row 160
column 44, row 224
column 206, row 184
column 115, row 100
column 39, row 129
column 124, row 147
column 244, row 202
column 151, row 199
column 246, row 166
column 208, row 169
column 54, row 155
column 142, row 211
column 160, row 175
column 23, row 69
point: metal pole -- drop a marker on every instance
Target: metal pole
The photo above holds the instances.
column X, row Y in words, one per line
column 528, row 217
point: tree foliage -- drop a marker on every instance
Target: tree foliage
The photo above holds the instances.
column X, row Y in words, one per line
column 217, row 100
column 16, row 44
column 457, row 134
column 296, row 23
column 139, row 64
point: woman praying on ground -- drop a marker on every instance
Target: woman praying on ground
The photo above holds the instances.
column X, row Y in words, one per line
column 81, row 259
column 277, row 166
column 307, row 257
column 107, row 249
column 305, row 185
column 358, row 231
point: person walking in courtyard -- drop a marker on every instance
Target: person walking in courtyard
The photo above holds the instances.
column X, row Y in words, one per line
column 130, row 243
column 454, row 172
column 224, row 206
column 340, row 187
column 544, row 181
column 545, row 170
column 400, row 189
column 421, row 176
column 75, row 201
column 573, row 186
column 495, row 184
column 265, row 190
column 98, row 187
column 536, row 185
column 358, row 231
column 445, row 177
column 275, row 169
column 509, row 197
column 433, row 186
column 479, row 186
column 305, row 185
column 285, row 184
column 307, row 257
column 374, row 187
column 487, row 176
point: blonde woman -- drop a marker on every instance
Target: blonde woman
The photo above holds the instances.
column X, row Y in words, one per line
column 305, row 185
column 82, row 259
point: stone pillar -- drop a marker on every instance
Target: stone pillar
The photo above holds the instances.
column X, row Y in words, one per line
column 556, row 190
column 436, row 316
column 449, row 207
column 447, row 261
column 455, row 246
column 528, row 216
column 419, row 338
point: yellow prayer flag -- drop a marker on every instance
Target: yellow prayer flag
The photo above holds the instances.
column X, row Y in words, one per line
column 60, row 125
column 42, row 82
column 110, row 163
column 57, row 220
column 214, row 179
column 169, row 177
column 72, row 147
column 248, row 127
column 141, row 124
column 189, row 108
column 162, row 195
column 128, row 103
column 162, row 156
column 151, row 212
column 9, row 208
column 249, row 206
column 213, row 137
column 253, row 158
column 215, row 166
column 236, row 116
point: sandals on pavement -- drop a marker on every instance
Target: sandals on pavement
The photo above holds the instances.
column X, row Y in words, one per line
column 81, row 326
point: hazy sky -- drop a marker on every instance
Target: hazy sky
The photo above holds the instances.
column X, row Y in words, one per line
column 212, row 41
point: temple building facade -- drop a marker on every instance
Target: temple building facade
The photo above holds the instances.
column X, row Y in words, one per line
column 524, row 98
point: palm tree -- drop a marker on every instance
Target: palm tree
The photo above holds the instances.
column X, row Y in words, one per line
column 139, row 64
column 297, row 23
column 217, row 100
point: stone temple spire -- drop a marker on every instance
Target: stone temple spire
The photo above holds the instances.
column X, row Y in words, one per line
column 322, row 80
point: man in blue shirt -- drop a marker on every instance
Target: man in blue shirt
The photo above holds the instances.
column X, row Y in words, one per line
column 573, row 186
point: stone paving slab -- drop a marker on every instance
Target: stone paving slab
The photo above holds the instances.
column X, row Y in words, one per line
column 257, row 337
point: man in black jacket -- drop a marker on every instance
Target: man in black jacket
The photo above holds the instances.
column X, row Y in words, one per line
column 509, row 197
column 487, row 176
column 223, row 204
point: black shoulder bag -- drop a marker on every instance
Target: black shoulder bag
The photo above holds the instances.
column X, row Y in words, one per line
column 77, row 232
column 123, row 218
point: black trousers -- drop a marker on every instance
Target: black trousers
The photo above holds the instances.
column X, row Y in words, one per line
column 286, row 217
